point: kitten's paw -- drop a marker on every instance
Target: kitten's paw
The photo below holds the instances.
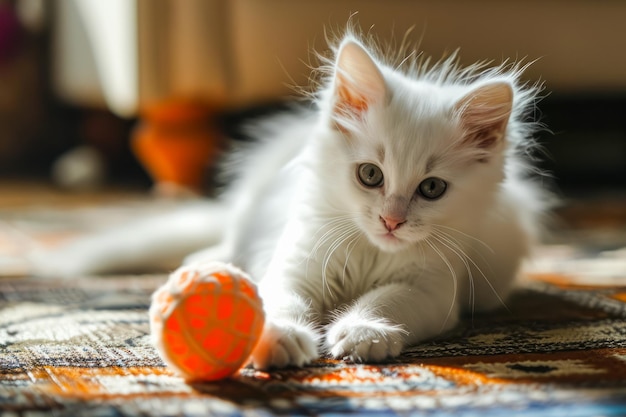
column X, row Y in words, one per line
column 284, row 343
column 365, row 341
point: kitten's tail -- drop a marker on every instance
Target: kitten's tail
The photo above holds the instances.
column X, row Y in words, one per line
column 158, row 243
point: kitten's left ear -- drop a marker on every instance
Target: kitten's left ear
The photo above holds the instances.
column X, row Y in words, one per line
column 484, row 114
column 358, row 81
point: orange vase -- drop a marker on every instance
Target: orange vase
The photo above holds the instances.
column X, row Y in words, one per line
column 176, row 142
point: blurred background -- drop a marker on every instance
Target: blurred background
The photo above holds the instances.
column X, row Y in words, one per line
column 100, row 93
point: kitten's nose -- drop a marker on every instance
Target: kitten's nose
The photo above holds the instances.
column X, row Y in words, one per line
column 392, row 223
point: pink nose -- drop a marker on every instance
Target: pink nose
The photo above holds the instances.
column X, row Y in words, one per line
column 392, row 223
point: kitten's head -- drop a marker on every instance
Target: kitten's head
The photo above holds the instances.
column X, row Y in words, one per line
column 418, row 152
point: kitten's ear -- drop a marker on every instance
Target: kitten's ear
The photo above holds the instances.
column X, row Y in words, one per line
column 358, row 81
column 484, row 114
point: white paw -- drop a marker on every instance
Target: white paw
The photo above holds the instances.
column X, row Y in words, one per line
column 365, row 340
column 284, row 343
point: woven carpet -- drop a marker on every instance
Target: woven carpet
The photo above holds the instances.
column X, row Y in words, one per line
column 71, row 347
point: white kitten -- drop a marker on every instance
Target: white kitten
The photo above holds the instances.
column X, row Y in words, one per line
column 373, row 220
column 402, row 201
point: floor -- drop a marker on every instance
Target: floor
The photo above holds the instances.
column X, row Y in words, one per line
column 81, row 345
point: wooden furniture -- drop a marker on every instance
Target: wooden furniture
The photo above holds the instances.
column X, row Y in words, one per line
column 128, row 55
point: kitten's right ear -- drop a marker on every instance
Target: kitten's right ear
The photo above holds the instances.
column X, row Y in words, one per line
column 358, row 83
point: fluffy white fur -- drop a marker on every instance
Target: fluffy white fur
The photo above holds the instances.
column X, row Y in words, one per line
column 358, row 271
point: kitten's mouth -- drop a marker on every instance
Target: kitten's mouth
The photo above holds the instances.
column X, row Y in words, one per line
column 385, row 240
column 390, row 238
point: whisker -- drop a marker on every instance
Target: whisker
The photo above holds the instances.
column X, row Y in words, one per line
column 476, row 251
column 333, row 224
column 339, row 220
column 346, row 234
column 454, row 248
column 454, row 278
column 349, row 250
column 458, row 250
column 339, row 230
column 489, row 248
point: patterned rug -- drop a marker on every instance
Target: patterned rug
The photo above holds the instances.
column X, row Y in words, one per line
column 82, row 347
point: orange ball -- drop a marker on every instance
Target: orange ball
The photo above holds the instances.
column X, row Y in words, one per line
column 205, row 320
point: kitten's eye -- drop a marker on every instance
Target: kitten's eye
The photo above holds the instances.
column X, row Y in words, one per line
column 370, row 175
column 432, row 188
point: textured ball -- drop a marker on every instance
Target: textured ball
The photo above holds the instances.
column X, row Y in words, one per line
column 205, row 320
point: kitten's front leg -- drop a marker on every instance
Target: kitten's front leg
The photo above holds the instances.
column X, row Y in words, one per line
column 291, row 334
column 382, row 322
